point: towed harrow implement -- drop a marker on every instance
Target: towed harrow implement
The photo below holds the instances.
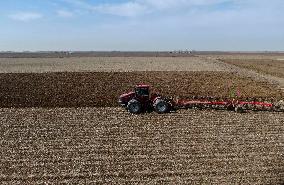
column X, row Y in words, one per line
column 236, row 105
column 140, row 100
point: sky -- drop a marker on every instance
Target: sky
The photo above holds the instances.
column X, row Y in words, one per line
column 142, row 25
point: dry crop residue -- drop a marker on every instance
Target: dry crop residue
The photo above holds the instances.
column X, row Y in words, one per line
column 107, row 145
column 106, row 64
column 266, row 66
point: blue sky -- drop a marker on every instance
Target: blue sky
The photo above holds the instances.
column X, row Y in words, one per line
column 235, row 25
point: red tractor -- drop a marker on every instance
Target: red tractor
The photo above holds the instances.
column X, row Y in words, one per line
column 140, row 100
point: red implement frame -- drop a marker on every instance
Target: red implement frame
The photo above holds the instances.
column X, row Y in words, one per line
column 225, row 104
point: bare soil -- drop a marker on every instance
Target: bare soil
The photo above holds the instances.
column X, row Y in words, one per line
column 101, row 89
column 110, row 146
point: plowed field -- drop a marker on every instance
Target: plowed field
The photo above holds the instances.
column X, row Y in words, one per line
column 108, row 146
column 101, row 89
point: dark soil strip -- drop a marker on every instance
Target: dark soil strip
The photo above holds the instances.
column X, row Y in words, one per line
column 101, row 89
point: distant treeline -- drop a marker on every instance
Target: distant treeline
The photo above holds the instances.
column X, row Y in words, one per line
column 178, row 53
column 66, row 54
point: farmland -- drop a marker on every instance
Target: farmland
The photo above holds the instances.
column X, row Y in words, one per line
column 106, row 64
column 60, row 122
column 270, row 66
column 101, row 89
column 108, row 146
column 273, row 67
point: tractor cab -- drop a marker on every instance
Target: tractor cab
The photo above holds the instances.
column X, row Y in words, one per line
column 142, row 92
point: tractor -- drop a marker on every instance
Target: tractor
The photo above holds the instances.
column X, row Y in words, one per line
column 141, row 100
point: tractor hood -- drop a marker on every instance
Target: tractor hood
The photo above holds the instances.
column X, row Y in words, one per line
column 127, row 95
column 125, row 98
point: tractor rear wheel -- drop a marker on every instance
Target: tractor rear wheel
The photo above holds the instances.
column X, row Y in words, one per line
column 161, row 106
column 134, row 106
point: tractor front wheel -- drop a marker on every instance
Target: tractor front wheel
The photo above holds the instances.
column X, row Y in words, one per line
column 134, row 106
column 161, row 106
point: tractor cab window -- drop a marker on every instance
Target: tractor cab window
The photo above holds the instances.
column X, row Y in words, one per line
column 142, row 91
